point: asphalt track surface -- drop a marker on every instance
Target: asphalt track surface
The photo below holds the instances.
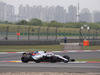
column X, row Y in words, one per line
column 51, row 67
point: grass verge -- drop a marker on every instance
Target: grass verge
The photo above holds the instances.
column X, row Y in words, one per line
column 91, row 47
column 27, row 48
column 30, row 48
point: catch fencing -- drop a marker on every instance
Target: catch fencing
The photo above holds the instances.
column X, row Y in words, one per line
column 14, row 32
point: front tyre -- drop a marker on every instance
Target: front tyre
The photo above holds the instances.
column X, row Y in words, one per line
column 65, row 61
column 67, row 57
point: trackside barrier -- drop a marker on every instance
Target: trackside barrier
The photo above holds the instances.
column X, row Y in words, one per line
column 18, row 34
column 86, row 43
column 38, row 32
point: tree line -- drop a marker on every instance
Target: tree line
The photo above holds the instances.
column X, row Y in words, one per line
column 37, row 22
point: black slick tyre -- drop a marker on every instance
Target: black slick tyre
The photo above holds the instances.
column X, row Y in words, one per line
column 53, row 59
column 25, row 59
column 67, row 57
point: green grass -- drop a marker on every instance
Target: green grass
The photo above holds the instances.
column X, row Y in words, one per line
column 29, row 48
column 87, row 59
column 91, row 47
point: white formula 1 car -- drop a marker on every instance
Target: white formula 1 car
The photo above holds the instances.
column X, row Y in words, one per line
column 43, row 56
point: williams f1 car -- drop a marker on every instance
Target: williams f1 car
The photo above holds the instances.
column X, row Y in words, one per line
column 43, row 56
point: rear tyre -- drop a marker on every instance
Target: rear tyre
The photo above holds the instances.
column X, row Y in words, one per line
column 53, row 59
column 37, row 61
column 25, row 59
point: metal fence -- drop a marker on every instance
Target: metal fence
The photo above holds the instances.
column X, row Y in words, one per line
column 31, row 33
